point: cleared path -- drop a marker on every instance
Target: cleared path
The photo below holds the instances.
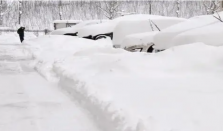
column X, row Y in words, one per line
column 29, row 103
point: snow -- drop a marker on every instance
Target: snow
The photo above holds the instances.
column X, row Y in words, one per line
column 49, row 49
column 163, row 40
column 125, row 28
column 138, row 39
column 75, row 28
column 177, row 89
column 94, row 30
column 95, row 86
column 4, row 28
column 109, row 27
column 210, row 34
column 29, row 102
column 137, row 17
column 13, row 38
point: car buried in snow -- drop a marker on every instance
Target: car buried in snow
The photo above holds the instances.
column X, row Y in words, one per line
column 207, row 29
column 73, row 30
column 105, row 30
column 138, row 35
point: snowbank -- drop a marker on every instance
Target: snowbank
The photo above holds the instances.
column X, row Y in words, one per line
column 163, row 40
column 125, row 28
column 51, row 48
column 139, row 39
column 177, row 89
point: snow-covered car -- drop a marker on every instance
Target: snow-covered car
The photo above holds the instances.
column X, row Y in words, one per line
column 58, row 24
column 98, row 31
column 73, row 29
column 135, row 35
column 141, row 42
column 104, row 30
column 206, row 28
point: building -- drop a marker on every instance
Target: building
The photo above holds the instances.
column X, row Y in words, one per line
column 64, row 23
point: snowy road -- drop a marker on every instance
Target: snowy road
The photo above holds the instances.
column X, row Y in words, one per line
column 29, row 103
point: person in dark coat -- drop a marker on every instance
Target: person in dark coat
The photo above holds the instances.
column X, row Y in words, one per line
column 20, row 31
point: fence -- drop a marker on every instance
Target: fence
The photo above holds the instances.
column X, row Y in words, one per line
column 36, row 32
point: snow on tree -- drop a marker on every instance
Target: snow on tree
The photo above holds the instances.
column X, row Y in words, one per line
column 4, row 9
column 212, row 6
column 110, row 8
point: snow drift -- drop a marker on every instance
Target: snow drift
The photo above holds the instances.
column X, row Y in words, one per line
column 177, row 89
column 52, row 48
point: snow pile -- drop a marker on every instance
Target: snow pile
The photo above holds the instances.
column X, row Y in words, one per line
column 13, row 38
column 178, row 89
column 125, row 28
column 206, row 29
column 49, row 49
column 139, row 39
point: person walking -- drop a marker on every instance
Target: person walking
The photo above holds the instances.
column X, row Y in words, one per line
column 20, row 31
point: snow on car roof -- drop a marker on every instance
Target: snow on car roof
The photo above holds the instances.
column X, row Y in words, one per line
column 75, row 28
column 165, row 38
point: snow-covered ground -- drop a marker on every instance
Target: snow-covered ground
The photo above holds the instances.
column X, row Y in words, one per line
column 13, row 38
column 177, row 89
column 30, row 103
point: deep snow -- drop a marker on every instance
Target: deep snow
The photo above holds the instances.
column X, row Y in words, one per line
column 30, row 103
column 177, row 89
column 129, row 27
column 206, row 29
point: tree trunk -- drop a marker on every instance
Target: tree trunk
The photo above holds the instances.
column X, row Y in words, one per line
column 1, row 13
column 221, row 6
column 20, row 11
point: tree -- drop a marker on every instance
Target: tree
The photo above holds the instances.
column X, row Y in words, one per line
column 212, row 6
column 60, row 9
column 109, row 8
column 178, row 8
column 20, row 11
column 4, row 8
